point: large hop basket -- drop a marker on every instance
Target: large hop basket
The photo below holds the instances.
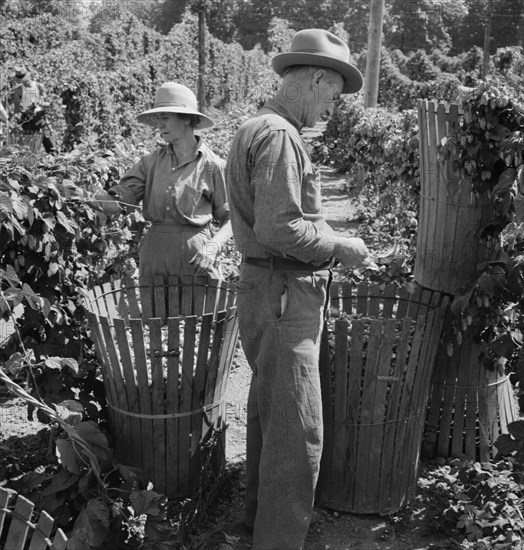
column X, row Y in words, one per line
column 166, row 352
column 377, row 354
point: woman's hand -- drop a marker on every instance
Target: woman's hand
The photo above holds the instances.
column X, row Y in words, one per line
column 108, row 203
column 205, row 260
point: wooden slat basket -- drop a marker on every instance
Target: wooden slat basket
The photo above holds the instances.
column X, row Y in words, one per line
column 470, row 405
column 33, row 141
column 377, row 355
column 166, row 352
column 21, row 528
column 450, row 216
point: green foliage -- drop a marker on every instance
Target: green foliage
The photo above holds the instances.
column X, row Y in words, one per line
column 379, row 150
column 483, row 502
column 399, row 91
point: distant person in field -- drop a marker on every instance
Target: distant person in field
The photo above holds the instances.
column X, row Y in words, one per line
column 27, row 99
column 3, row 114
column 287, row 251
column 182, row 189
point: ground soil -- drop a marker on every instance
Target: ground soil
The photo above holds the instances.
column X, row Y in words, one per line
column 413, row 528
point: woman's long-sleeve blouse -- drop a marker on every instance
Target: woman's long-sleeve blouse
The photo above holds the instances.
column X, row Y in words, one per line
column 190, row 193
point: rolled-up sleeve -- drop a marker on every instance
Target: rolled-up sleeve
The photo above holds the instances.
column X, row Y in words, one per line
column 131, row 188
column 276, row 176
column 220, row 205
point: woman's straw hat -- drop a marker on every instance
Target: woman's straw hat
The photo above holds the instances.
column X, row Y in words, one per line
column 172, row 97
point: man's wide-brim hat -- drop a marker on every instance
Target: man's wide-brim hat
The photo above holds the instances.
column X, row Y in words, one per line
column 172, row 97
column 323, row 49
column 21, row 73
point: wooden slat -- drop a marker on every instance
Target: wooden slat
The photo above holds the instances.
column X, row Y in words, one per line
column 142, row 379
column 392, row 415
column 109, row 299
column 472, row 400
column 42, row 532
column 402, row 304
column 362, row 299
column 159, row 298
column 375, row 301
column 18, row 529
column 59, row 540
column 199, row 295
column 354, row 405
column 221, row 296
column 111, row 364
column 172, row 402
column 212, row 373
column 174, row 296
column 340, row 393
column 131, row 295
column 378, row 428
column 7, row 497
column 100, row 300
column 389, row 300
column 211, row 296
column 146, row 299
column 199, row 382
column 402, row 461
column 227, row 352
column 186, row 298
column 186, row 390
column 484, row 392
column 434, row 187
column 461, row 378
column 157, row 395
column 365, row 443
column 348, row 300
column 131, row 390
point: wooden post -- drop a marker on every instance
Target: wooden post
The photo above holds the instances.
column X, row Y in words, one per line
column 487, row 38
column 202, row 58
column 376, row 17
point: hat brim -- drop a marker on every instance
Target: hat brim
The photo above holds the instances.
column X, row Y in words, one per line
column 352, row 76
column 147, row 116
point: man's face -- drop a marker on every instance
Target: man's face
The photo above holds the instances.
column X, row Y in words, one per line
column 326, row 89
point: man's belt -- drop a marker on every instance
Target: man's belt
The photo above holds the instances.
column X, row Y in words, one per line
column 286, row 264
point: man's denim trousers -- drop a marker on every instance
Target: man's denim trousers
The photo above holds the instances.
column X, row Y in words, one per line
column 280, row 320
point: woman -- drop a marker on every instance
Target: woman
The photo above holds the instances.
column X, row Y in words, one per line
column 182, row 189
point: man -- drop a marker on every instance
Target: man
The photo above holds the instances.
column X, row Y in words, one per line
column 287, row 249
column 27, row 101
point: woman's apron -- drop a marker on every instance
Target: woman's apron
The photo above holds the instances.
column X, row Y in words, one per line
column 167, row 249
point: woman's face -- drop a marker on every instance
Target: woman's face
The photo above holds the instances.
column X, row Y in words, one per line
column 171, row 126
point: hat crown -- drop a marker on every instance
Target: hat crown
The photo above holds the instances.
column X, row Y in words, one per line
column 319, row 41
column 172, row 94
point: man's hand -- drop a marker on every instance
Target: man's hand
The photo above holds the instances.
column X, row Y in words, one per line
column 352, row 252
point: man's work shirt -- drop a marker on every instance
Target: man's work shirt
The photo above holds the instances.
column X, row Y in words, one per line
column 190, row 192
column 273, row 192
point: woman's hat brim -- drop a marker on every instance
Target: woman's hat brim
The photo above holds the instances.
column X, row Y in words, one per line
column 147, row 116
column 352, row 76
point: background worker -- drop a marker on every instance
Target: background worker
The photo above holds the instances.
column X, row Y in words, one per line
column 27, row 98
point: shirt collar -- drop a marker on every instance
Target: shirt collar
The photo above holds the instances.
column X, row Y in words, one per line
column 279, row 107
column 197, row 151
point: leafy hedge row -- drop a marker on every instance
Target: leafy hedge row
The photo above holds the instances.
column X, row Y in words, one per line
column 96, row 83
column 378, row 149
